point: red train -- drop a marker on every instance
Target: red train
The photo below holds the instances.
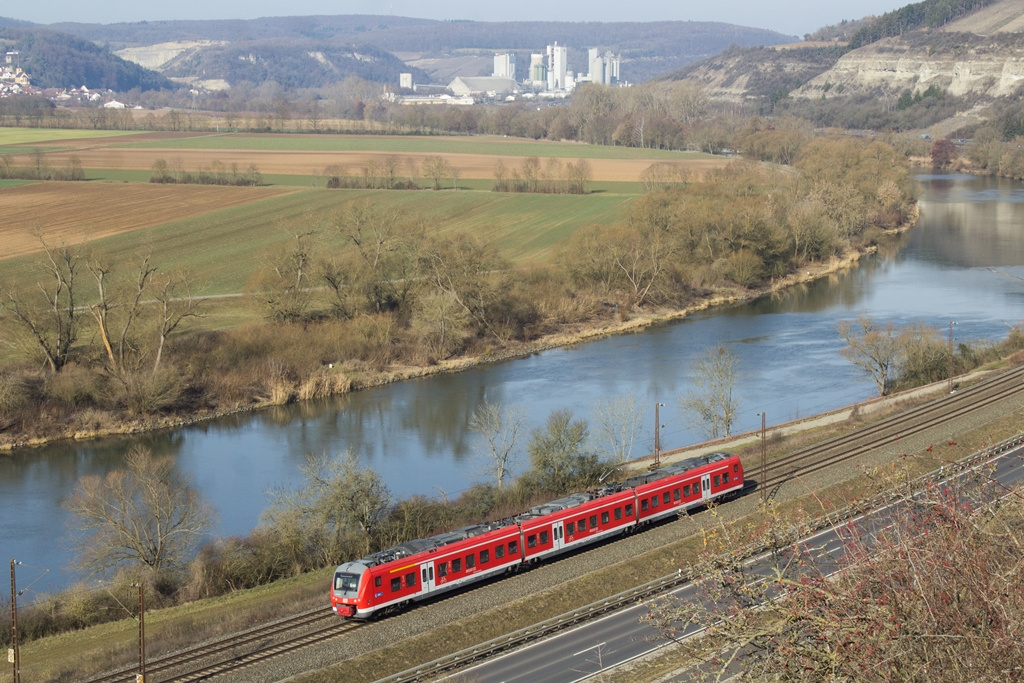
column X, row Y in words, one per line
column 389, row 580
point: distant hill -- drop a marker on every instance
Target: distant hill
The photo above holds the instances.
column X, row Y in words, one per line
column 60, row 60
column 947, row 56
column 647, row 49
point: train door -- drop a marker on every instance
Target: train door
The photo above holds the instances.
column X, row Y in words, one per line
column 427, row 576
column 558, row 535
column 705, row 486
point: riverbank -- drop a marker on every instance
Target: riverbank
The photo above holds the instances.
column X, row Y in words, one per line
column 339, row 383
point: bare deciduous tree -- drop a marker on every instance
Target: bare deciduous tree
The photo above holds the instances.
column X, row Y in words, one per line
column 53, row 327
column 711, row 405
column 500, row 426
column 931, row 595
column 337, row 511
column 147, row 514
column 872, row 347
column 618, row 423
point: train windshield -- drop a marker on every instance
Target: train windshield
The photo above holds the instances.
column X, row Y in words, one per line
column 346, row 583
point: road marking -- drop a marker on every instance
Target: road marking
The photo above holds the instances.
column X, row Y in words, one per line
column 589, row 649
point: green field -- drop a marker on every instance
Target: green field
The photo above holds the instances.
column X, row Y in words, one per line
column 413, row 145
column 224, row 248
column 31, row 136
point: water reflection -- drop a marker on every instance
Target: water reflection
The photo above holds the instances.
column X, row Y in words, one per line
column 416, row 433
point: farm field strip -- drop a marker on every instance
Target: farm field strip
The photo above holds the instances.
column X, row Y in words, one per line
column 394, row 144
column 310, row 163
column 77, row 212
column 31, row 136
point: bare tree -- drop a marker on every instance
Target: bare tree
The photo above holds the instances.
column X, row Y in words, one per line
column 175, row 302
column 872, row 347
column 557, row 459
column 711, row 405
column 931, row 595
column 336, row 512
column 618, row 423
column 500, row 426
column 119, row 347
column 53, row 327
column 147, row 514
column 436, row 167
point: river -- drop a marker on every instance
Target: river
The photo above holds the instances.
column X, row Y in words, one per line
column 961, row 263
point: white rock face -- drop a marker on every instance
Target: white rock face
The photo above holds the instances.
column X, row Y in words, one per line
column 893, row 67
column 155, row 56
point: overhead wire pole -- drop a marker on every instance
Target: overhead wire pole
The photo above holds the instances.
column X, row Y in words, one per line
column 657, row 436
column 764, row 462
column 951, row 323
column 141, row 677
column 13, row 655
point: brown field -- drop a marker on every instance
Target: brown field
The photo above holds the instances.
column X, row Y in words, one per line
column 76, row 212
column 308, row 163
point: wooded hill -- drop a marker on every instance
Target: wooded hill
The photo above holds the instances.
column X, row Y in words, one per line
column 60, row 60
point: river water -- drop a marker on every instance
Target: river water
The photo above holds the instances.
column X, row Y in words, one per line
column 962, row 262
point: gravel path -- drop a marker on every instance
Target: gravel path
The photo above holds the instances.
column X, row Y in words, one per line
column 545, row 577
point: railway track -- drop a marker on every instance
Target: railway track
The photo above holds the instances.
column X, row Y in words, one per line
column 849, row 446
column 288, row 635
column 239, row 650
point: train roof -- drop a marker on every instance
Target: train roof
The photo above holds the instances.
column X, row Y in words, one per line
column 676, row 468
column 420, row 545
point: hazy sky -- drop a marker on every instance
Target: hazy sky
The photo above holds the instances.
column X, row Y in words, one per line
column 792, row 17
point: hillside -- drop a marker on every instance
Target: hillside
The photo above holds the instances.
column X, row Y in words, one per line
column 647, row 49
column 946, row 57
column 60, row 60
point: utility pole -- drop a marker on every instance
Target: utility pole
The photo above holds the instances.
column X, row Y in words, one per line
column 13, row 655
column 657, row 436
column 141, row 677
column 764, row 462
column 951, row 323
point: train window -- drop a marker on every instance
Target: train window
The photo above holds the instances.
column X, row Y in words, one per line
column 570, row 528
column 736, row 469
column 593, row 521
column 456, row 566
column 543, row 538
column 581, row 525
column 531, row 541
column 618, row 513
column 666, row 498
column 675, row 494
column 499, row 551
column 442, row 569
column 654, row 501
column 686, row 491
column 470, row 561
column 424, row 575
column 513, row 547
column 629, row 509
column 644, row 505
column 377, row 581
column 485, row 556
column 725, row 477
column 396, row 585
column 718, row 481
column 410, row 579
column 604, row 518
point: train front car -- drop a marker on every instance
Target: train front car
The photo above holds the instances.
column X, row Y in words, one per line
column 348, row 591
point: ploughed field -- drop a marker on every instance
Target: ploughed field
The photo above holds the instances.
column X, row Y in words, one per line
column 77, row 212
